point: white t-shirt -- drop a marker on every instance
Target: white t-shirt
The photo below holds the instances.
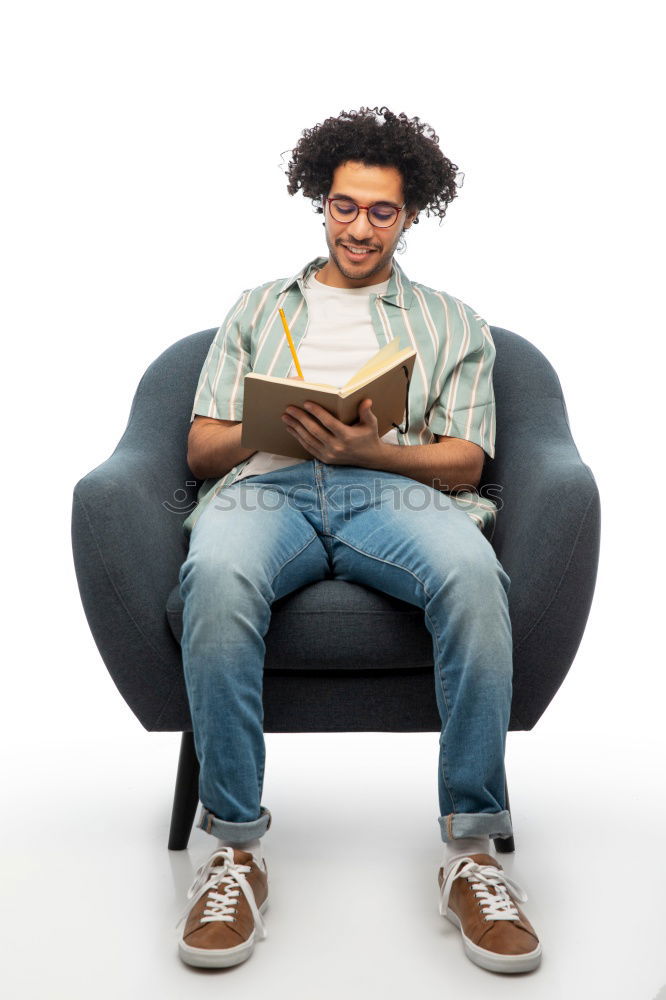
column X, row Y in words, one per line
column 339, row 339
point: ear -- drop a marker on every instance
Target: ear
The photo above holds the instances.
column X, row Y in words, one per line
column 409, row 218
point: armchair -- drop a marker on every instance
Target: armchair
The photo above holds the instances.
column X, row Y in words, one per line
column 128, row 547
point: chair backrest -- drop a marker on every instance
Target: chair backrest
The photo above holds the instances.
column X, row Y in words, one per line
column 524, row 383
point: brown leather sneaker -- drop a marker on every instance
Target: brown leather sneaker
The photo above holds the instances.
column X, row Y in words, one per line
column 229, row 895
column 479, row 898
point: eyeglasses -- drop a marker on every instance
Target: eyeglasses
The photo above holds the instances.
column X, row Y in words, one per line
column 381, row 214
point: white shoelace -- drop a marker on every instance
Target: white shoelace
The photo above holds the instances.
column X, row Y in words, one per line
column 222, row 905
column 490, row 885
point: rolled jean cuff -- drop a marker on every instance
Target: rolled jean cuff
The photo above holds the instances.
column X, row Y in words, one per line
column 457, row 825
column 239, row 832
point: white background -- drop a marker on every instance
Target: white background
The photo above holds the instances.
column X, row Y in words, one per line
column 143, row 189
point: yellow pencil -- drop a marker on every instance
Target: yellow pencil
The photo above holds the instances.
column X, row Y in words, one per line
column 291, row 343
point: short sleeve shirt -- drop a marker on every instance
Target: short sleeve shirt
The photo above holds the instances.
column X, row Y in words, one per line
column 451, row 389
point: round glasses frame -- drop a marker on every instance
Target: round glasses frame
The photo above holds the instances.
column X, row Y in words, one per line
column 364, row 208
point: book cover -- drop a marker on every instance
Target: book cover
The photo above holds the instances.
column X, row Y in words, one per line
column 384, row 379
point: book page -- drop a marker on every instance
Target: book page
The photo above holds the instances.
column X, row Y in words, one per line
column 378, row 361
column 297, row 381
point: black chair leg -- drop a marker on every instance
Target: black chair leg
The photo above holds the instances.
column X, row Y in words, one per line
column 505, row 845
column 186, row 796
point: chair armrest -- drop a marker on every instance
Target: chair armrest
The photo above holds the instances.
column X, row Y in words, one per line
column 128, row 548
column 547, row 539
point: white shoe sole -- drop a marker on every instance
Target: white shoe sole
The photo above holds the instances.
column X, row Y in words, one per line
column 490, row 959
column 220, row 958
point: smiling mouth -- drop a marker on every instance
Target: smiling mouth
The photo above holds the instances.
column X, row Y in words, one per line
column 359, row 253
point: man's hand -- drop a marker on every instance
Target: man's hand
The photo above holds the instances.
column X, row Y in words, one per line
column 333, row 442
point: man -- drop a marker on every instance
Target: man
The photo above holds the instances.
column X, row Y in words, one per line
column 252, row 540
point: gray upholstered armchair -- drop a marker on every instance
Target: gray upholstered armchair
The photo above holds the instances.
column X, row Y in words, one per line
column 378, row 675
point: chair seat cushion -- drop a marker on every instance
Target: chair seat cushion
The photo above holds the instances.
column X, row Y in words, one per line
column 337, row 625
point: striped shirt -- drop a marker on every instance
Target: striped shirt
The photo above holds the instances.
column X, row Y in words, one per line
column 451, row 389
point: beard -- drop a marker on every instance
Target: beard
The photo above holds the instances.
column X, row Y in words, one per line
column 375, row 263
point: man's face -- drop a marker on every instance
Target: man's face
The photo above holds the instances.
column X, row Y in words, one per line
column 366, row 186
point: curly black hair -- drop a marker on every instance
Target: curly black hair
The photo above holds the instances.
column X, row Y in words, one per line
column 377, row 138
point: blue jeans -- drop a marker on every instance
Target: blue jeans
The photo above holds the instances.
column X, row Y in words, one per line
column 267, row 535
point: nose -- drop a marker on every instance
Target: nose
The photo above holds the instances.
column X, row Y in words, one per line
column 360, row 228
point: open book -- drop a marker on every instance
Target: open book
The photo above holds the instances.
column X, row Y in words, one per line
column 384, row 379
